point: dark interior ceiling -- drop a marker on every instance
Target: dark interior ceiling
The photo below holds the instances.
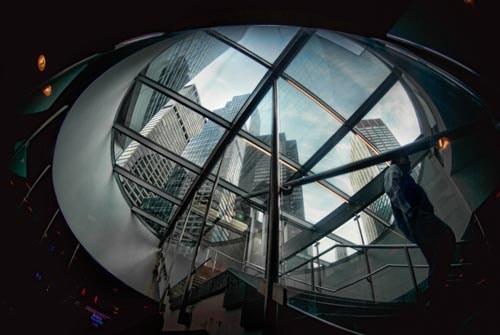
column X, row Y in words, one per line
column 69, row 31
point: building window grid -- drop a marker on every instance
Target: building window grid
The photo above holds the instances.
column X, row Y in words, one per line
column 184, row 129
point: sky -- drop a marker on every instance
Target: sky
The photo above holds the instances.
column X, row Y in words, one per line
column 233, row 74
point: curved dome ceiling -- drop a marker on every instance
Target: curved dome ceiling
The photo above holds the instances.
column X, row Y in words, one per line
column 210, row 96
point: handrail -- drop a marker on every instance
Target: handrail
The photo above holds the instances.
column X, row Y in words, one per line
column 359, row 279
column 325, row 321
column 377, row 246
column 360, row 246
column 196, row 269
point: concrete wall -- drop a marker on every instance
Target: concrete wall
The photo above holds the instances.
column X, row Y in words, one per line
column 87, row 191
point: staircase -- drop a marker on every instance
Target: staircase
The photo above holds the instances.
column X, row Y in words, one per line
column 203, row 273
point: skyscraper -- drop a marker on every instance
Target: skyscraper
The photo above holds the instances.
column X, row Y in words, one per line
column 377, row 132
column 197, row 151
column 255, row 177
column 172, row 127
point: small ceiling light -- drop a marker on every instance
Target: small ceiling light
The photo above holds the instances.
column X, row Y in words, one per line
column 469, row 2
column 47, row 90
column 443, row 143
column 41, row 62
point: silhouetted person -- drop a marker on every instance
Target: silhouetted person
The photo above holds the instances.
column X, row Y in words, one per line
column 414, row 216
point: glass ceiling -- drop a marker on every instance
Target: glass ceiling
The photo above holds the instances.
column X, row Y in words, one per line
column 201, row 113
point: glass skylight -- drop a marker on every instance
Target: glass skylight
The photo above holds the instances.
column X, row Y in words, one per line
column 191, row 96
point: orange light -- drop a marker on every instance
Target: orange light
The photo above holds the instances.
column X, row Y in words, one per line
column 443, row 143
column 469, row 2
column 47, row 90
column 41, row 63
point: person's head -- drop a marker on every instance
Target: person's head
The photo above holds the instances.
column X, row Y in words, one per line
column 403, row 161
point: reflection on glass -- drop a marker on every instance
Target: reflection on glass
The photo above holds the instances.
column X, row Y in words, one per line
column 392, row 122
column 149, row 202
column 350, row 149
column 304, row 126
column 338, row 156
column 257, row 238
column 191, row 220
column 156, row 169
column 185, row 231
column 265, row 41
column 259, row 123
column 219, row 72
column 160, row 119
column 371, row 227
column 246, row 165
column 342, row 74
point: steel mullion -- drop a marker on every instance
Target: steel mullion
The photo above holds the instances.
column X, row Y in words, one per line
column 123, row 172
column 149, row 216
column 304, row 225
column 238, row 191
column 364, row 207
column 239, row 48
column 285, row 160
column 184, row 101
column 348, row 125
column 248, row 107
column 157, row 148
column 418, row 145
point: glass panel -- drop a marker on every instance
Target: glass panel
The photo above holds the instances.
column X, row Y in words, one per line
column 266, row 41
column 148, row 201
column 259, row 123
column 202, row 144
column 349, row 231
column 316, row 202
column 156, row 169
column 336, row 254
column 230, row 211
column 247, row 166
column 158, row 229
column 350, row 149
column 40, row 101
column 167, row 123
column 341, row 74
column 303, row 256
column 222, row 77
column 257, row 245
column 400, row 283
column 338, row 156
column 392, row 122
column 382, row 208
column 290, row 230
column 304, row 126
column 185, row 230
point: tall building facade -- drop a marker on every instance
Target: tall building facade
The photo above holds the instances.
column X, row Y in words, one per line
column 377, row 133
column 255, row 177
column 180, row 63
column 172, row 127
column 224, row 202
